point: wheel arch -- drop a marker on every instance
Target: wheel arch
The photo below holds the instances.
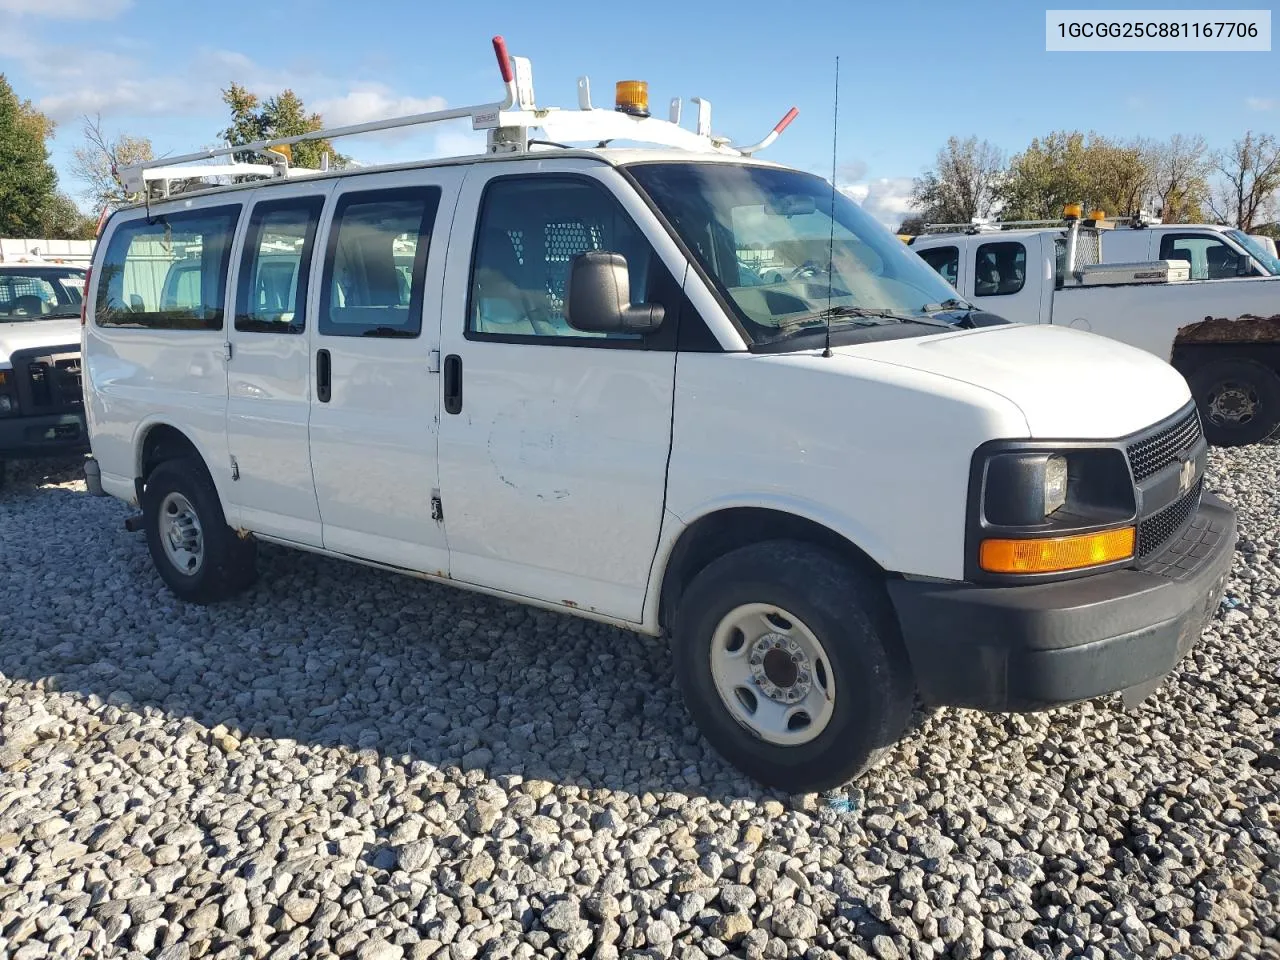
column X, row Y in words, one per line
column 159, row 440
column 728, row 528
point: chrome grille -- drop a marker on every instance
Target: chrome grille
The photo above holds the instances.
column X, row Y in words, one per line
column 1152, row 454
column 1159, row 528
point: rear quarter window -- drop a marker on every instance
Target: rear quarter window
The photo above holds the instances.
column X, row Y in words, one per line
column 168, row 273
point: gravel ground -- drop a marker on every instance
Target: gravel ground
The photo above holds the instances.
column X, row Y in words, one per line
column 350, row 763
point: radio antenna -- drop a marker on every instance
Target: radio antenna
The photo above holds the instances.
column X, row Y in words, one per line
column 831, row 241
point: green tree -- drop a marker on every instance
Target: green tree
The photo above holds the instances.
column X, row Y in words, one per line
column 284, row 115
column 28, row 183
column 61, row 219
column 1075, row 167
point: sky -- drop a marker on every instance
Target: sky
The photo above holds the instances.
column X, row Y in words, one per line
column 912, row 73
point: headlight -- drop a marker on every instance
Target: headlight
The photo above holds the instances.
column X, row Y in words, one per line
column 1047, row 511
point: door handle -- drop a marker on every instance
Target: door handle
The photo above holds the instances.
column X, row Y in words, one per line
column 453, row 383
column 324, row 376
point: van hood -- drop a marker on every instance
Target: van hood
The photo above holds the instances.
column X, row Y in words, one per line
column 1070, row 385
column 29, row 334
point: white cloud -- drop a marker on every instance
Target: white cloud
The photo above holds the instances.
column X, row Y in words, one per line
column 1260, row 103
column 67, row 9
column 888, row 199
column 374, row 101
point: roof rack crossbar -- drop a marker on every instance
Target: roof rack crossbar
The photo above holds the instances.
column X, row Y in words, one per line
column 508, row 132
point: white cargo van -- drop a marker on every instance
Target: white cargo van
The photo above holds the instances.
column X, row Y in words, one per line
column 1222, row 335
column 831, row 489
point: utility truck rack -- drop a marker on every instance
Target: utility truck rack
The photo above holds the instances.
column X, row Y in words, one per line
column 509, row 123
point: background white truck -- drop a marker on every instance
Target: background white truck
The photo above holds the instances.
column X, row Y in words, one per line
column 1222, row 335
column 41, row 402
column 1214, row 252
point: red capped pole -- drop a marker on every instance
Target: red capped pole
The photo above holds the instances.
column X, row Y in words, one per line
column 773, row 134
column 504, row 61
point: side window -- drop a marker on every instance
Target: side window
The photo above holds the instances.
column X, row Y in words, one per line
column 272, row 294
column 169, row 273
column 530, row 230
column 946, row 260
column 1210, row 258
column 1059, row 263
column 376, row 263
column 1000, row 269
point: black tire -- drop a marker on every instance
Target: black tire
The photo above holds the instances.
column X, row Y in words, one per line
column 228, row 564
column 1222, row 387
column 849, row 613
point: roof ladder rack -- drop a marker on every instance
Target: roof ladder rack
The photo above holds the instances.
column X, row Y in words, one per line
column 508, row 123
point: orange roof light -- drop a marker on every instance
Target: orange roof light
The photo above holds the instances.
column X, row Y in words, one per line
column 1097, row 214
column 1056, row 554
column 632, row 96
column 1072, row 211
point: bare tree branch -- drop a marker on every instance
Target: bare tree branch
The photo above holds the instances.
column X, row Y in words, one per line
column 1249, row 177
column 97, row 160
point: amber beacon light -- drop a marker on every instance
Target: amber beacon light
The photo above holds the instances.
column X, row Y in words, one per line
column 1056, row 554
column 632, row 96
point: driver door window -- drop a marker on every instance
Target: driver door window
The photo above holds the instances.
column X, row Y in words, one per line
column 529, row 232
column 1210, row 258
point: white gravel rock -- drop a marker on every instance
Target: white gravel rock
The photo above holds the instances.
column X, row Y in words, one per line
column 345, row 763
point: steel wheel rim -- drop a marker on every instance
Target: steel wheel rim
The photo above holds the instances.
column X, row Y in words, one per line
column 181, row 535
column 1242, row 403
column 772, row 674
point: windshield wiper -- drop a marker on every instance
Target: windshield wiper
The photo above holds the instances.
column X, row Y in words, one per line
column 954, row 303
column 866, row 313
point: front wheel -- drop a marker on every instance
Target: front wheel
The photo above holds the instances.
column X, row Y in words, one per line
column 198, row 556
column 1239, row 401
column 790, row 663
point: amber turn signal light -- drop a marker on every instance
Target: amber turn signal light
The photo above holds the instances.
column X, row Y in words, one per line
column 1056, row 554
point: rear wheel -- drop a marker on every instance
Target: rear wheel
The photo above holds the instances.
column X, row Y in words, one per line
column 1239, row 401
column 198, row 556
column 790, row 663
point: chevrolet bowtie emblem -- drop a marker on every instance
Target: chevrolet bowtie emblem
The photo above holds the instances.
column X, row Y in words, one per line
column 1186, row 476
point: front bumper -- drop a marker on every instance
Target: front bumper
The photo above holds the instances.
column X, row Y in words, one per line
column 51, row 435
column 1026, row 648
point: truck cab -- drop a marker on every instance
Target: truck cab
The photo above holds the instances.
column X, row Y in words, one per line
column 41, row 404
column 1211, row 252
column 670, row 387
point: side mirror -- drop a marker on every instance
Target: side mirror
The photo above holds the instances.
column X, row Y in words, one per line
column 598, row 297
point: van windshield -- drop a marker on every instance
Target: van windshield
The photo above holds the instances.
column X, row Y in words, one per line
column 40, row 293
column 766, row 238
